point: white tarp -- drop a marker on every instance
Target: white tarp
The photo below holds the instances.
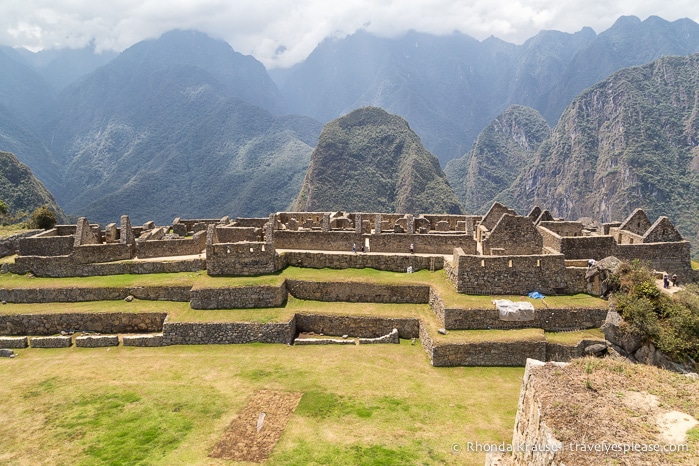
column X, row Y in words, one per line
column 520, row 311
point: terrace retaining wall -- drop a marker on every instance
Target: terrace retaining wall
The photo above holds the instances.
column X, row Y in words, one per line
column 238, row 297
column 357, row 292
column 357, row 326
column 219, row 333
column 51, row 324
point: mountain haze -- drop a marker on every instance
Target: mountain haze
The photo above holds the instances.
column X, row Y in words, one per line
column 372, row 161
column 450, row 87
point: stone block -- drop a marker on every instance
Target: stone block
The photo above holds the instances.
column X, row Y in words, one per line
column 149, row 225
column 51, row 342
column 7, row 353
column 96, row 341
column 14, row 342
column 179, row 229
column 391, row 338
column 152, row 340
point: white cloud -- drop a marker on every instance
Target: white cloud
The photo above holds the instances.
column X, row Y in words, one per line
column 282, row 32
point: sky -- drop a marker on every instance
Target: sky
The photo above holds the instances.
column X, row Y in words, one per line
column 280, row 33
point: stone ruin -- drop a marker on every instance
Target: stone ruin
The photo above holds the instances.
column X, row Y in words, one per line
column 501, row 252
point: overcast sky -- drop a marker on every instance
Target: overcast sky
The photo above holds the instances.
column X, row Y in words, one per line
column 280, row 33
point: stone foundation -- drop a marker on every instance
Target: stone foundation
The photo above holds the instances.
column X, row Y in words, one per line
column 151, row 341
column 14, row 342
column 96, row 341
column 51, row 342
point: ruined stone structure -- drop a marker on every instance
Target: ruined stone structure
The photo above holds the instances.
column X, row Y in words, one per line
column 499, row 253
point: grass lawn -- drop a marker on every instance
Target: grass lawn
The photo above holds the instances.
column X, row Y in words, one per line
column 572, row 338
column 361, row 405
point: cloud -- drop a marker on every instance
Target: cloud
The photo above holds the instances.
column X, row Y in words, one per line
column 281, row 33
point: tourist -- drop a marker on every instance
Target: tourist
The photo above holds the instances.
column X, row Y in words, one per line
column 412, row 249
column 362, row 248
column 354, row 248
column 591, row 263
column 666, row 281
column 674, row 280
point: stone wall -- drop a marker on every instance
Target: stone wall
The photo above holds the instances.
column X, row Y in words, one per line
column 238, row 297
column 48, row 245
column 423, row 243
column 510, row 274
column 242, row 259
column 97, row 253
column 564, row 353
column 52, row 342
column 357, row 326
column 487, row 353
column 237, row 234
column 547, row 319
column 76, row 295
column 317, row 240
column 387, row 262
column 357, row 292
column 563, row 228
column 530, row 427
column 513, row 235
column 214, row 333
column 51, row 324
column 10, row 245
column 172, row 247
column 673, row 258
column 65, row 266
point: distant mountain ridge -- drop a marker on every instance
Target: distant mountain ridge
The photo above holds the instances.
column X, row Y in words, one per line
column 631, row 141
column 183, row 125
column 372, row 161
column 450, row 87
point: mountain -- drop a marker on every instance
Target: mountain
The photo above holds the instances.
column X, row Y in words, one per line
column 503, row 149
column 20, row 190
column 450, row 87
column 371, row 161
column 630, row 141
column 60, row 67
column 160, row 132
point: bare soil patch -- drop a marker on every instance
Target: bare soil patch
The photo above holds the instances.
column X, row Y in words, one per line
column 254, row 433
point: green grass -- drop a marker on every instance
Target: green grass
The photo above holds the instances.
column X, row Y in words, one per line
column 9, row 230
column 573, row 338
column 438, row 280
column 485, row 336
column 695, row 265
column 361, row 404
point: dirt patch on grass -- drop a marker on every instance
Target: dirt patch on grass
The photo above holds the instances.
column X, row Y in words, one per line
column 254, row 433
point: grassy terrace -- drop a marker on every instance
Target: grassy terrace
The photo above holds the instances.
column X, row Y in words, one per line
column 438, row 280
column 363, row 405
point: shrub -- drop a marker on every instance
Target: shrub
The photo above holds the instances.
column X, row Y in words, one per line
column 671, row 323
column 43, row 218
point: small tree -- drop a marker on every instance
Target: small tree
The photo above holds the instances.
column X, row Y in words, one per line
column 43, row 218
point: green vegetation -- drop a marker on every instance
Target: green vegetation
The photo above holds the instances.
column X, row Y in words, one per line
column 671, row 322
column 371, row 161
column 361, row 404
column 43, row 218
column 21, row 192
column 572, row 338
column 503, row 149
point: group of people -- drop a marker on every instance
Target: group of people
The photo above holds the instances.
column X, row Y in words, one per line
column 669, row 281
column 354, row 248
